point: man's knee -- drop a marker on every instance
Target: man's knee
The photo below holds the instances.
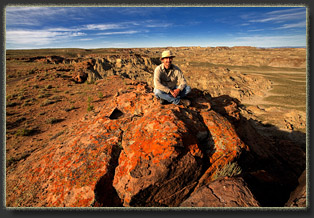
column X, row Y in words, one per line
column 157, row 92
column 187, row 89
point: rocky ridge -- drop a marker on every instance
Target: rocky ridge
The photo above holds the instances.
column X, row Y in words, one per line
column 215, row 80
column 136, row 152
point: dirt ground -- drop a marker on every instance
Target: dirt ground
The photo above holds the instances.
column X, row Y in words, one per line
column 43, row 106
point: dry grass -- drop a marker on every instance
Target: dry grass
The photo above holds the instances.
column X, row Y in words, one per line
column 229, row 170
column 289, row 91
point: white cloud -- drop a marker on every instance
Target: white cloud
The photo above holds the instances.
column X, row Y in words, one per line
column 283, row 15
column 301, row 24
column 281, row 19
column 90, row 27
column 86, row 39
column 101, row 26
column 117, row 33
column 270, row 41
column 77, row 34
column 127, row 25
column 31, row 15
column 155, row 23
column 63, row 29
column 288, row 11
column 256, row 30
column 27, row 11
column 37, row 37
column 43, row 37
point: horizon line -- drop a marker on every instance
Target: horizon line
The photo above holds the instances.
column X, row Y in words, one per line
column 220, row 46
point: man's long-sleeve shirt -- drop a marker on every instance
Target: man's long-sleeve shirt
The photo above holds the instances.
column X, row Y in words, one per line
column 166, row 80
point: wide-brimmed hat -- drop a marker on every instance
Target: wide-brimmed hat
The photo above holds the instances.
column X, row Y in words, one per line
column 167, row 54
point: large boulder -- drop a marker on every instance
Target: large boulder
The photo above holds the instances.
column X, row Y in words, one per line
column 160, row 162
column 163, row 150
column 224, row 192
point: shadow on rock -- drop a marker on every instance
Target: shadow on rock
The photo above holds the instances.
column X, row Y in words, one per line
column 104, row 187
column 274, row 161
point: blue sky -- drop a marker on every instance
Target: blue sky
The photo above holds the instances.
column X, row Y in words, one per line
column 136, row 27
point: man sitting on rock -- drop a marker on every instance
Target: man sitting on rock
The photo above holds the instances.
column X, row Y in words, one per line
column 170, row 84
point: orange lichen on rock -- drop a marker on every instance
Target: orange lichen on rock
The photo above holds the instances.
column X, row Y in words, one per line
column 226, row 146
column 135, row 152
column 68, row 173
column 150, row 145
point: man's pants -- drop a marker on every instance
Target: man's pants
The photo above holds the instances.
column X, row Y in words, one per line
column 168, row 97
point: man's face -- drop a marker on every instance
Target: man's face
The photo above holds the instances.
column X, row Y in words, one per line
column 167, row 62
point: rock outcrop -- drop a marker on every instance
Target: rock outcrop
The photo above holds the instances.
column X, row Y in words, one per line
column 133, row 66
column 229, row 192
column 215, row 80
column 298, row 196
column 136, row 152
column 223, row 81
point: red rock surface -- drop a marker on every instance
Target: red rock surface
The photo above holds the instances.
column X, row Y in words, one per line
column 225, row 146
column 66, row 174
column 136, row 152
column 160, row 161
column 225, row 192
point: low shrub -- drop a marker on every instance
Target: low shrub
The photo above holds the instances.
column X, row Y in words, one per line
column 53, row 120
column 25, row 131
column 229, row 170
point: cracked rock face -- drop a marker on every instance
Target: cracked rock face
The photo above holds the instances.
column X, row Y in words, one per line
column 160, row 162
column 230, row 192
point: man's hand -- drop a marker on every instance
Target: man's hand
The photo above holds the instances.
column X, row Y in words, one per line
column 175, row 92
